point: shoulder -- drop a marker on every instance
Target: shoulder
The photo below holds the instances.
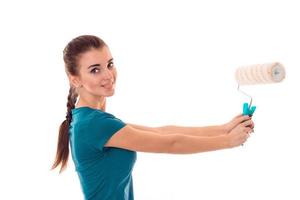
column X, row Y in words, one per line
column 105, row 121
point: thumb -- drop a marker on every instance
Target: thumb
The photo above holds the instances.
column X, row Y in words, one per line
column 239, row 119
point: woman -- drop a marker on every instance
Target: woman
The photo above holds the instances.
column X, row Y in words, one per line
column 103, row 147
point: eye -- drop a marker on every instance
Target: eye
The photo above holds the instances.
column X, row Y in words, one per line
column 111, row 65
column 94, row 70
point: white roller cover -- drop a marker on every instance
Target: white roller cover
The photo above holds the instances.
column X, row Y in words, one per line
column 260, row 74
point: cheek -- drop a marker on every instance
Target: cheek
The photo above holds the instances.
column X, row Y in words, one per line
column 92, row 83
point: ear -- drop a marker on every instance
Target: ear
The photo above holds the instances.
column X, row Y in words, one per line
column 74, row 81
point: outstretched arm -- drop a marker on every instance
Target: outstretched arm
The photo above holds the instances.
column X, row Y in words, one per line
column 205, row 131
column 135, row 139
column 151, row 141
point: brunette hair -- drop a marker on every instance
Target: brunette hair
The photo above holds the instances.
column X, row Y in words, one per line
column 71, row 54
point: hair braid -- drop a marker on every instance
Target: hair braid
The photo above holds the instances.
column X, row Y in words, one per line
column 63, row 137
column 72, row 98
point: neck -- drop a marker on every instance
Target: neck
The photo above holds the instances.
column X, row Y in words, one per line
column 99, row 104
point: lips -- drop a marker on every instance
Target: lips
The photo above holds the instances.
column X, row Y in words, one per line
column 107, row 85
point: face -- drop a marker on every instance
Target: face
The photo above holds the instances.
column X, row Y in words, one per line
column 97, row 74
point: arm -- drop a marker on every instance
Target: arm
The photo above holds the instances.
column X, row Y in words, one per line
column 192, row 131
column 205, row 131
column 154, row 141
column 186, row 144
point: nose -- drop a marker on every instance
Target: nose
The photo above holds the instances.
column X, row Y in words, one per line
column 107, row 74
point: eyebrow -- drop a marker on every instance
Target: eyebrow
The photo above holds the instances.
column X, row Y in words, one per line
column 95, row 65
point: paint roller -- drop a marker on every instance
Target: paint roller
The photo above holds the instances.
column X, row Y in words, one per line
column 258, row 74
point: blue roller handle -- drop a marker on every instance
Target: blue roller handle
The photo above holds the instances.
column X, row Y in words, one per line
column 247, row 111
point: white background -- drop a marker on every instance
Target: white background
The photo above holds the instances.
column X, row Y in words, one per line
column 176, row 62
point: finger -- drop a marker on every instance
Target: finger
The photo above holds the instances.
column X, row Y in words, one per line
column 247, row 130
column 237, row 116
column 244, row 139
column 238, row 121
column 247, row 123
column 251, row 125
column 241, row 119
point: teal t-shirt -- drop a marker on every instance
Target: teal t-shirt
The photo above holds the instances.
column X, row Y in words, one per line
column 105, row 173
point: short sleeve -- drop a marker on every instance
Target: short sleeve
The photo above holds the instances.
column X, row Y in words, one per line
column 102, row 129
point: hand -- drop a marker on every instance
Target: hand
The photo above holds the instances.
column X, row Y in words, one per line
column 240, row 133
column 236, row 121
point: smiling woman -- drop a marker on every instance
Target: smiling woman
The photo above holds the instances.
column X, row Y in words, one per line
column 97, row 76
column 103, row 147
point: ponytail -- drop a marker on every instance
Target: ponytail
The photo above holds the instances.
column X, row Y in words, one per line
column 62, row 152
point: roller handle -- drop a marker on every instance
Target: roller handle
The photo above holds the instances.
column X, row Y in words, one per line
column 248, row 111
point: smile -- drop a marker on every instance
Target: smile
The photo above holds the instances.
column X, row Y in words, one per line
column 108, row 86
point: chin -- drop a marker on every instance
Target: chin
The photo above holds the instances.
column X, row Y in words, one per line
column 109, row 94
